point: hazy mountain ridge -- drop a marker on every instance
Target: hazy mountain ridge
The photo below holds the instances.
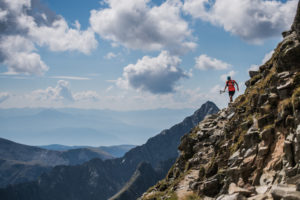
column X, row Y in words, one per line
column 98, row 179
column 116, row 151
column 100, row 127
column 22, row 163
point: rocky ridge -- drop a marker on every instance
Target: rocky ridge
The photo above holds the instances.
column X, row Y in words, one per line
column 250, row 150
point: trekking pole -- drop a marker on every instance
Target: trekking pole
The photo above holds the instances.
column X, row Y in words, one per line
column 221, row 91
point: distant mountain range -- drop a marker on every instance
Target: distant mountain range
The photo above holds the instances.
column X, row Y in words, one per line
column 116, row 151
column 38, row 126
column 21, row 163
column 98, row 179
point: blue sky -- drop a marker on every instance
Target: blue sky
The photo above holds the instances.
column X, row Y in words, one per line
column 132, row 54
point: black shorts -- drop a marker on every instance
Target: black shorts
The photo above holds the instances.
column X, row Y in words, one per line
column 231, row 93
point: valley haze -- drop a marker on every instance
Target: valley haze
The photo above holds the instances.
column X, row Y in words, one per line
column 81, row 127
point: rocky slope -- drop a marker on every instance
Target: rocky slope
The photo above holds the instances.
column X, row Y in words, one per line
column 251, row 150
column 98, row 179
column 21, row 163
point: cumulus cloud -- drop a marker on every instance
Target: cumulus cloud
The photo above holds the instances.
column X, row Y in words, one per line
column 59, row 36
column 110, row 55
column 204, row 62
column 4, row 96
column 136, row 25
column 3, row 14
column 252, row 20
column 32, row 25
column 232, row 73
column 17, row 5
column 157, row 75
column 77, row 78
column 87, row 96
column 253, row 68
column 19, row 56
column 216, row 89
column 121, row 100
column 60, row 92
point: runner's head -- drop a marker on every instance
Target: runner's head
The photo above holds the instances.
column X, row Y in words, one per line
column 228, row 78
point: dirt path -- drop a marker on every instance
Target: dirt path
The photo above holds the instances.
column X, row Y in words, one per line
column 183, row 190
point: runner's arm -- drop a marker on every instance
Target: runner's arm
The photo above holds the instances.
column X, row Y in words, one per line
column 237, row 86
column 225, row 87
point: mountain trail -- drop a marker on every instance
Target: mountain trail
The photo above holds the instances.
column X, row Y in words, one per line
column 183, row 189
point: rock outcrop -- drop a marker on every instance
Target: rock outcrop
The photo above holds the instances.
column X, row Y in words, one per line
column 250, row 150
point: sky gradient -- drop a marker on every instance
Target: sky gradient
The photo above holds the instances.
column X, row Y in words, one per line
column 133, row 54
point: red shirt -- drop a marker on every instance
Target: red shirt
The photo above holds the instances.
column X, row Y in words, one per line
column 230, row 85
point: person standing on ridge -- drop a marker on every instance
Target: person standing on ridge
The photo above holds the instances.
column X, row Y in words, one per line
column 231, row 89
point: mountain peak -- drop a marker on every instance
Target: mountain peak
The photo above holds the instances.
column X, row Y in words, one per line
column 209, row 102
column 208, row 105
column 208, row 108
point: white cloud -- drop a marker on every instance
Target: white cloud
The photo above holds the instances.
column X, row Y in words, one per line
column 4, row 96
column 77, row 78
column 182, row 98
column 110, row 88
column 17, row 5
column 87, row 96
column 77, row 25
column 157, row 75
column 252, row 20
column 110, row 55
column 136, row 25
column 3, row 14
column 204, row 62
column 31, row 26
column 19, row 56
column 59, row 36
column 253, row 68
column 9, row 73
column 117, row 99
column 60, row 92
column 216, row 89
column 232, row 73
column 197, row 8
